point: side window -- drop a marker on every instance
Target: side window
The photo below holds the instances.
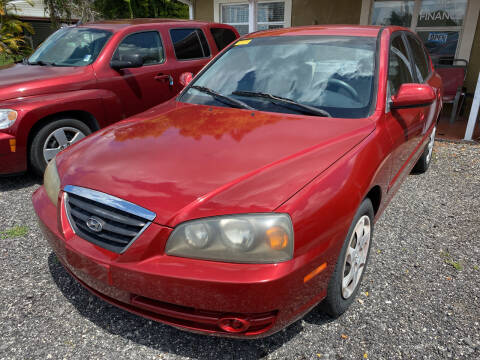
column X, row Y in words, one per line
column 148, row 44
column 421, row 64
column 399, row 69
column 189, row 44
column 222, row 37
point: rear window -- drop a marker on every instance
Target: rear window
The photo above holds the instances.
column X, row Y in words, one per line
column 189, row 44
column 222, row 37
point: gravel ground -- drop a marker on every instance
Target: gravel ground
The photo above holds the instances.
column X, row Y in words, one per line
column 419, row 299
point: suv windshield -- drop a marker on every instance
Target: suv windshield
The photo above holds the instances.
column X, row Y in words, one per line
column 333, row 74
column 71, row 46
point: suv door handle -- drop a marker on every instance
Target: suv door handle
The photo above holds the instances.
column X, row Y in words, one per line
column 161, row 77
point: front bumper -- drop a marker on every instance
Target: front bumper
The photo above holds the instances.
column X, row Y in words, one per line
column 11, row 162
column 192, row 294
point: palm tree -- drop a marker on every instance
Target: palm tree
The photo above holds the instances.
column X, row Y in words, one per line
column 12, row 32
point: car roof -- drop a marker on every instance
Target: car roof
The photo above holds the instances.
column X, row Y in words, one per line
column 341, row 30
column 119, row 24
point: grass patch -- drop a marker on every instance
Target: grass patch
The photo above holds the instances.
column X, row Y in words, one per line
column 15, row 232
column 447, row 259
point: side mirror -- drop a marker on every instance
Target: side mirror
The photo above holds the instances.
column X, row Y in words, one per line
column 128, row 61
column 412, row 95
column 185, row 78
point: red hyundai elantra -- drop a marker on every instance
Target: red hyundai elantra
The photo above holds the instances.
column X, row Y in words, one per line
column 251, row 197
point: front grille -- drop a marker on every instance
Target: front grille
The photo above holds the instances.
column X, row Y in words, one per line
column 105, row 220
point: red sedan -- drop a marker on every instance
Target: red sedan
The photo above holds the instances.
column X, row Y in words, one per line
column 251, row 197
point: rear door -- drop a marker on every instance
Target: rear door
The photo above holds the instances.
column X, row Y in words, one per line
column 138, row 89
column 405, row 126
column 189, row 50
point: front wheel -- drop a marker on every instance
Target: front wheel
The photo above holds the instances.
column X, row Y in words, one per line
column 424, row 161
column 53, row 138
column 351, row 263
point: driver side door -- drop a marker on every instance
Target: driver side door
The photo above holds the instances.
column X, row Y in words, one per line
column 139, row 89
column 405, row 125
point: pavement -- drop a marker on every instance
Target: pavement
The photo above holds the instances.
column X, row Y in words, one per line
column 420, row 297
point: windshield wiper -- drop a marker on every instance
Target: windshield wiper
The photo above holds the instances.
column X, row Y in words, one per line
column 222, row 98
column 281, row 100
column 42, row 63
column 39, row 62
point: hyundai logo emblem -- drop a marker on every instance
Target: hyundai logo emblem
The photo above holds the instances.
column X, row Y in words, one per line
column 95, row 224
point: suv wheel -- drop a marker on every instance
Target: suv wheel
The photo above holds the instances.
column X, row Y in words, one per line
column 53, row 138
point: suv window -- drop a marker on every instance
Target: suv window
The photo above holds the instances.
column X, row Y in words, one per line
column 148, row 44
column 189, row 44
column 421, row 64
column 222, row 37
column 399, row 69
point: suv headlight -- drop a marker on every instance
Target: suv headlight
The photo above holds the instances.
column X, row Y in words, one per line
column 51, row 181
column 244, row 238
column 7, row 118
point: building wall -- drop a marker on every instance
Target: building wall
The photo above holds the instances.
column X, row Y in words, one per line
column 318, row 12
column 474, row 64
column 23, row 9
column 203, row 10
column 304, row 12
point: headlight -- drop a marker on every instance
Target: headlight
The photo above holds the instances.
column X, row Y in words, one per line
column 249, row 238
column 51, row 181
column 7, row 118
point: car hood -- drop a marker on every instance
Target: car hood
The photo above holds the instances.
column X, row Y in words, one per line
column 195, row 161
column 19, row 80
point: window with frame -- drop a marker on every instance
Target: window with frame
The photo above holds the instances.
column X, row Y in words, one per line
column 399, row 69
column 419, row 58
column 438, row 23
column 148, row 44
column 222, row 37
column 270, row 15
column 189, row 44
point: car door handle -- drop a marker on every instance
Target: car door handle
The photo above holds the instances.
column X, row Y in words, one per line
column 167, row 77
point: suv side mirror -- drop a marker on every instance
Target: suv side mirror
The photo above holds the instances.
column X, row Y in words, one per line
column 185, row 78
column 128, row 61
column 412, row 95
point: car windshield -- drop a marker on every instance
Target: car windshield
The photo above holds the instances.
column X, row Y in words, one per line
column 71, row 46
column 293, row 74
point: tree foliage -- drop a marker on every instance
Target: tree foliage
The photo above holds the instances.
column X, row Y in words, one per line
column 90, row 10
column 13, row 44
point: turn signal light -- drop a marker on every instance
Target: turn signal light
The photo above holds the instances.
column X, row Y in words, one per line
column 13, row 145
column 277, row 238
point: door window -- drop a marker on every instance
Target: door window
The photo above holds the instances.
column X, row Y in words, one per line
column 148, row 44
column 419, row 58
column 387, row 12
column 399, row 69
column 189, row 44
column 222, row 37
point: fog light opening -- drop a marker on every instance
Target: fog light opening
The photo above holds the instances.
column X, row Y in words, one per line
column 233, row 325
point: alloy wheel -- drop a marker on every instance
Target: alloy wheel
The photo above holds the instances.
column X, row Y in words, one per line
column 356, row 256
column 59, row 140
column 430, row 145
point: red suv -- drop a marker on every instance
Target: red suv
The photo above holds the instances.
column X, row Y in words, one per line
column 85, row 77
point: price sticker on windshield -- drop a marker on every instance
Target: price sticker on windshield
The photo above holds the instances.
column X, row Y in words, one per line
column 243, row 42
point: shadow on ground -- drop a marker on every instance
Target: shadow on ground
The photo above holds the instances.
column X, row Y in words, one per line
column 165, row 338
column 16, row 182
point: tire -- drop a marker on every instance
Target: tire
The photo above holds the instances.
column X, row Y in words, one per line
column 48, row 141
column 339, row 298
column 424, row 161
